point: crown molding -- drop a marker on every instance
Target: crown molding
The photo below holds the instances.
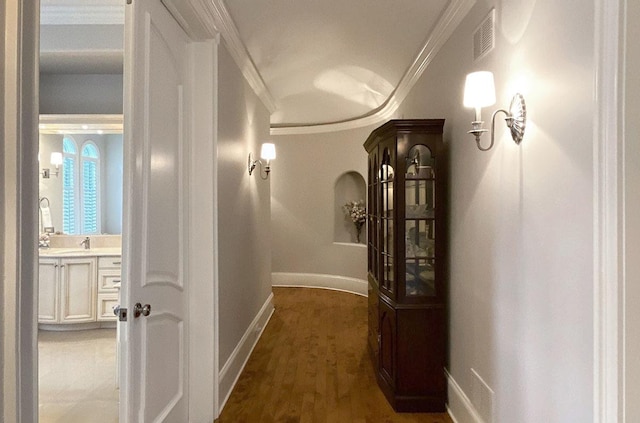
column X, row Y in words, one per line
column 204, row 19
column 195, row 17
column 239, row 52
column 451, row 18
column 82, row 15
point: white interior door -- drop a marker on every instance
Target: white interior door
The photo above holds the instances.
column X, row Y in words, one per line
column 154, row 347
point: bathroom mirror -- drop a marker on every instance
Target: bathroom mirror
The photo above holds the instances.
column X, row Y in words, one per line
column 82, row 181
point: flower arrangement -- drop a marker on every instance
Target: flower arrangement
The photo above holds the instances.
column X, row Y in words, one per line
column 356, row 211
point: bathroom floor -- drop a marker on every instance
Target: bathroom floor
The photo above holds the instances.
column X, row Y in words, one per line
column 77, row 376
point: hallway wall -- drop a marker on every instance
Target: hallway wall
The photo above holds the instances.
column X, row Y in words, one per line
column 82, row 94
column 244, row 256
column 521, row 216
column 302, row 204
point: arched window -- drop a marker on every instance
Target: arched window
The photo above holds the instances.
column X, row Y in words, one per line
column 69, row 182
column 90, row 188
column 80, row 187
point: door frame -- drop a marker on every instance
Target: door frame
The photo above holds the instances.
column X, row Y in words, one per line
column 608, row 221
column 18, row 210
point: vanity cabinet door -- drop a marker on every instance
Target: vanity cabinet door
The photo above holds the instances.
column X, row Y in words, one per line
column 48, row 289
column 78, row 290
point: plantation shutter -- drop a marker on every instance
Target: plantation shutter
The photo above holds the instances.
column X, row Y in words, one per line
column 89, row 189
column 69, row 187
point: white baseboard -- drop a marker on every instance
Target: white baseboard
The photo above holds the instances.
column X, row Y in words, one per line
column 460, row 407
column 318, row 280
column 232, row 369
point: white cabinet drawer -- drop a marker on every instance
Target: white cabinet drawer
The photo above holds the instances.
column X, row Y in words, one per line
column 106, row 280
column 109, row 261
column 106, row 303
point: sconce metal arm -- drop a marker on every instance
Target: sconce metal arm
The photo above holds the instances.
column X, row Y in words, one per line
column 515, row 118
column 252, row 165
column 508, row 118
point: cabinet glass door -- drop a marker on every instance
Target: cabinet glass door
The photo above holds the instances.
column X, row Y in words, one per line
column 420, row 235
column 372, row 216
column 386, row 193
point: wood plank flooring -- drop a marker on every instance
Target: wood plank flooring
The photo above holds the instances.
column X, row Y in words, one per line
column 311, row 365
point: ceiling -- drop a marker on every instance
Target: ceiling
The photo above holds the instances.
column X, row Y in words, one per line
column 321, row 61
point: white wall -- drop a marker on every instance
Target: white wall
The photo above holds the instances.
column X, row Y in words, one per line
column 112, row 184
column 631, row 206
column 244, row 241
column 81, row 94
column 302, row 203
column 521, row 216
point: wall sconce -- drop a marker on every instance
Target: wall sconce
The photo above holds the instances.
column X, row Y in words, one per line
column 56, row 160
column 268, row 153
column 479, row 92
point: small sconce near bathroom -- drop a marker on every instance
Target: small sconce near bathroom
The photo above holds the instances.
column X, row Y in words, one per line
column 268, row 153
column 56, row 160
column 479, row 92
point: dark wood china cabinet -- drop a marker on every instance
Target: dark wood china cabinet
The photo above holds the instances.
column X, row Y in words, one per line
column 407, row 262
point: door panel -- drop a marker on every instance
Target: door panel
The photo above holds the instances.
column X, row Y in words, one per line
column 387, row 343
column 156, row 65
column 78, row 290
column 48, row 291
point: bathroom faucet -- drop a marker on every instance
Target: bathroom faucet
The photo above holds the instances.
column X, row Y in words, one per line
column 86, row 242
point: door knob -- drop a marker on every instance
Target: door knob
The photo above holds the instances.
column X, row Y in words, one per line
column 139, row 309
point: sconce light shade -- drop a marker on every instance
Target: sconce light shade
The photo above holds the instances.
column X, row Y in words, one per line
column 268, row 151
column 56, row 158
column 479, row 90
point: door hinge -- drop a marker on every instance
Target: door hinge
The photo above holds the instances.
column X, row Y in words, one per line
column 121, row 312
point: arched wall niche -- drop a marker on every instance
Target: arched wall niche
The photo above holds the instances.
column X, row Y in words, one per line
column 350, row 186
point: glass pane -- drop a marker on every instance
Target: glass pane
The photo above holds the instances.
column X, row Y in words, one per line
column 410, row 238
column 90, row 150
column 89, row 197
column 420, row 277
column 68, row 196
column 419, row 239
column 420, row 162
column 389, row 272
column 419, row 198
column 389, row 238
column 384, row 199
column 68, row 146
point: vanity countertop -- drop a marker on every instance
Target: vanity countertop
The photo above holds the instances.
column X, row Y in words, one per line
column 79, row 252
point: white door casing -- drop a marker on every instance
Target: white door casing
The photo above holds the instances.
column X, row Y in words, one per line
column 154, row 375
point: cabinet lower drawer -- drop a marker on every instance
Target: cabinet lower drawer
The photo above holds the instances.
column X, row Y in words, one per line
column 106, row 303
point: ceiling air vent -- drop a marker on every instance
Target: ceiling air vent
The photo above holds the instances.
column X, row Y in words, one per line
column 484, row 38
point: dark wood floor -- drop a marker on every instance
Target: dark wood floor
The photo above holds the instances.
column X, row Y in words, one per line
column 312, row 365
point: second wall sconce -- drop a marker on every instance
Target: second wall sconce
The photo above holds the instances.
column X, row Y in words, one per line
column 479, row 92
column 268, row 153
column 56, row 160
